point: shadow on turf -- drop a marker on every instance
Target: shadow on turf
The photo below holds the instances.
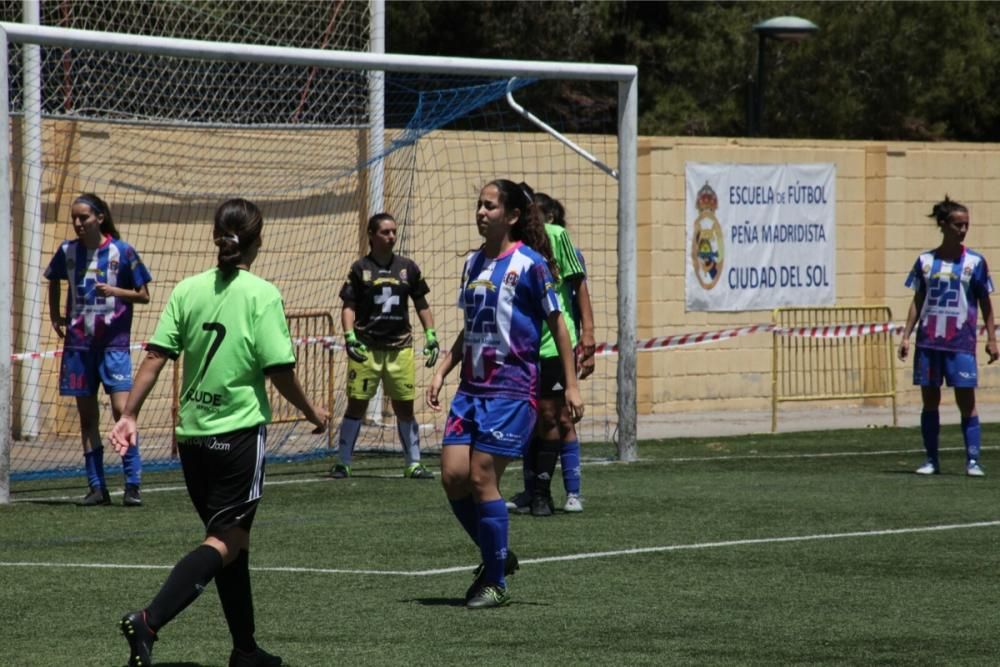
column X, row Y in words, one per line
column 910, row 473
column 459, row 602
column 437, row 602
column 68, row 501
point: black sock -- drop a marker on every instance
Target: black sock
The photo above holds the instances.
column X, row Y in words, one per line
column 545, row 466
column 233, row 584
column 186, row 582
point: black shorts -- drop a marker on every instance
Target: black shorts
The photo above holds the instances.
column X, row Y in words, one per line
column 551, row 378
column 224, row 475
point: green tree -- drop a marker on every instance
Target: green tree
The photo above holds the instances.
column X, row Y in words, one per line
column 875, row 70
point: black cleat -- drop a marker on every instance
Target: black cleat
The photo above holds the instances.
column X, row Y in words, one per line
column 541, row 505
column 340, row 471
column 417, row 471
column 258, row 658
column 132, row 496
column 96, row 496
column 488, row 597
column 510, row 566
column 520, row 503
column 140, row 638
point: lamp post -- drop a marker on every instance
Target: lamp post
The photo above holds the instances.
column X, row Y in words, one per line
column 786, row 28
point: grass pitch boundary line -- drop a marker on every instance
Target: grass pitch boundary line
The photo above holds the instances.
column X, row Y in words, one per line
column 167, row 489
column 594, row 462
column 815, row 455
column 547, row 559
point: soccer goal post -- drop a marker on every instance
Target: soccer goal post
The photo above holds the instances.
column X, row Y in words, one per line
column 165, row 148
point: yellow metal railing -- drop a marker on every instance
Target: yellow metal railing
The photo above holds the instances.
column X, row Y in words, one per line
column 813, row 361
column 313, row 366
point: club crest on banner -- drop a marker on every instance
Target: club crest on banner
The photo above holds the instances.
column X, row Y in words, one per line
column 707, row 249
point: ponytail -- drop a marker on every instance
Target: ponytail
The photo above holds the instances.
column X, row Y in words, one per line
column 238, row 224
column 100, row 207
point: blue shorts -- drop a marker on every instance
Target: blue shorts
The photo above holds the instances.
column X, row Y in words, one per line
column 82, row 370
column 958, row 369
column 498, row 426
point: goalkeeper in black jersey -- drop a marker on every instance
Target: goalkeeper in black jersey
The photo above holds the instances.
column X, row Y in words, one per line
column 379, row 342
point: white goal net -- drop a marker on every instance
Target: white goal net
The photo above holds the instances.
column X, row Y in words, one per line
column 164, row 130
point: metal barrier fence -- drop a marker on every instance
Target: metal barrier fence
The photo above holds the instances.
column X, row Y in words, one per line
column 832, row 353
column 313, row 367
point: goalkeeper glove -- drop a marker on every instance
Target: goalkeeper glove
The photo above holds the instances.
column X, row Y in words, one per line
column 431, row 347
column 355, row 348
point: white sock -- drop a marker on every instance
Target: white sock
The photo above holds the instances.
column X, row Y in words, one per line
column 349, row 430
column 409, row 436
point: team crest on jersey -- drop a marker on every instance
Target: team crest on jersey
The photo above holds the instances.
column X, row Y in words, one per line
column 473, row 284
column 707, row 249
column 113, row 266
column 510, row 280
column 366, row 275
column 402, row 275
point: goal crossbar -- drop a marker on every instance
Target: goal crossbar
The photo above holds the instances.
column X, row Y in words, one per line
column 278, row 55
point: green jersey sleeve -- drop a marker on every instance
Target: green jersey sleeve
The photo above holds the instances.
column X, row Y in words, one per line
column 569, row 265
column 271, row 338
column 564, row 253
column 168, row 336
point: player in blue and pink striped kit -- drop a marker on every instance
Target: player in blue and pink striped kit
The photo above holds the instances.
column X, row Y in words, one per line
column 506, row 293
column 105, row 276
column 951, row 284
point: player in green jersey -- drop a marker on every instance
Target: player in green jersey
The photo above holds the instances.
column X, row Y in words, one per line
column 230, row 327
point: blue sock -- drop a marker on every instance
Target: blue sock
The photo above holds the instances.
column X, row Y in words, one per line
column 467, row 514
column 569, row 460
column 132, row 464
column 93, row 462
column 930, row 428
column 971, row 433
column 493, row 526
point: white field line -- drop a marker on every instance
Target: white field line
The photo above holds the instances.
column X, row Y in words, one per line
column 592, row 462
column 817, row 455
column 319, row 479
column 549, row 559
column 147, row 490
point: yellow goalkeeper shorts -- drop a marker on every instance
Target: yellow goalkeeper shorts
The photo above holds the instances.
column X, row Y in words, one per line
column 393, row 368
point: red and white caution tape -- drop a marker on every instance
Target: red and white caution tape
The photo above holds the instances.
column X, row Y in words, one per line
column 838, row 330
column 648, row 345
column 327, row 341
column 684, row 340
column 53, row 354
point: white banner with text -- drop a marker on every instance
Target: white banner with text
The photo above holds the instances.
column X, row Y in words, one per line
column 760, row 236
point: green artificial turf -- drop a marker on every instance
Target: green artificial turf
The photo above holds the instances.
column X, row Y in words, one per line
column 793, row 549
